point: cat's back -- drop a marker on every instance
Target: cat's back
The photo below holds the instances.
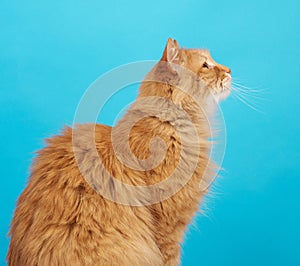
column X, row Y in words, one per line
column 61, row 220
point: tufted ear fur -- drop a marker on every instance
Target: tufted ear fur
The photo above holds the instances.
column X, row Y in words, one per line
column 171, row 52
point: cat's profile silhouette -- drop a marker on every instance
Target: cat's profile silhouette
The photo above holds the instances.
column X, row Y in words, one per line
column 61, row 217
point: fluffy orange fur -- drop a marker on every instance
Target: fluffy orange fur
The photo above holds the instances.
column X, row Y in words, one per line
column 60, row 218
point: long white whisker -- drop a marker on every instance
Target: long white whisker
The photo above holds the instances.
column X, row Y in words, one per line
column 242, row 87
column 247, row 90
column 248, row 97
column 247, row 93
column 245, row 101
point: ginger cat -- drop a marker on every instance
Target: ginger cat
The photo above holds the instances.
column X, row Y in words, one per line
column 62, row 217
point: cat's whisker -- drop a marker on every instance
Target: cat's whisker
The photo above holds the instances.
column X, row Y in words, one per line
column 246, row 102
column 256, row 95
column 245, row 88
column 248, row 94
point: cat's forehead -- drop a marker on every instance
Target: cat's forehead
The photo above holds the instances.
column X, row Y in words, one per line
column 198, row 54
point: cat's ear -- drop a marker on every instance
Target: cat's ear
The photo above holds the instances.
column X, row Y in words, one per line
column 171, row 52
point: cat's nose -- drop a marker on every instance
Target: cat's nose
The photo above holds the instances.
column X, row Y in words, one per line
column 228, row 70
column 225, row 69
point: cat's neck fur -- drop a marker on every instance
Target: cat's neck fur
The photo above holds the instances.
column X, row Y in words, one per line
column 164, row 90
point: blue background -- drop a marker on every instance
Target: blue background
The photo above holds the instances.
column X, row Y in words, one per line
column 51, row 51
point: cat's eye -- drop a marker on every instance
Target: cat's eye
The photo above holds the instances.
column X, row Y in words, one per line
column 205, row 65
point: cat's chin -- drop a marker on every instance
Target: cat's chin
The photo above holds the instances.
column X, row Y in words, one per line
column 224, row 94
column 218, row 97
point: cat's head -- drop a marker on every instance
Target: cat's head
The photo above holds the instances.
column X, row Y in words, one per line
column 215, row 77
